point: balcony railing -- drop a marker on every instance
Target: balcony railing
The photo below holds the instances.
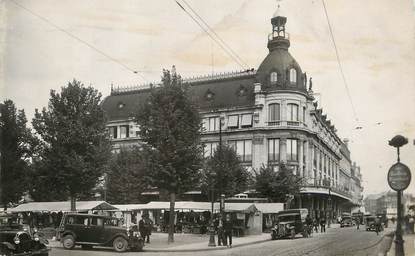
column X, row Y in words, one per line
column 286, row 123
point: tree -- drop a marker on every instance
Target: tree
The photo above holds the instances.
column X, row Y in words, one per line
column 15, row 150
column 170, row 129
column 224, row 169
column 75, row 143
column 126, row 180
column 276, row 185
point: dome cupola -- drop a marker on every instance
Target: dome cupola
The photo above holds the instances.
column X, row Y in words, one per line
column 279, row 70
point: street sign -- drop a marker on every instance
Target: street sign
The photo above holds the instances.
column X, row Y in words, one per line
column 399, row 176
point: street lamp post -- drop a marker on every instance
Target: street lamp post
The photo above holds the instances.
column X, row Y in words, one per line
column 399, row 177
column 212, row 224
column 329, row 206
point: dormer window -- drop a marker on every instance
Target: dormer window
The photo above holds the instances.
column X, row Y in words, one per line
column 293, row 76
column 273, row 77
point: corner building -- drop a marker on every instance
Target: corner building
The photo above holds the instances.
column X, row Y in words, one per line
column 268, row 116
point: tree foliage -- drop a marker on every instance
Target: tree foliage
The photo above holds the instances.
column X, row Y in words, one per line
column 15, row 148
column 75, row 144
column 276, row 185
column 170, row 128
column 225, row 171
column 126, row 178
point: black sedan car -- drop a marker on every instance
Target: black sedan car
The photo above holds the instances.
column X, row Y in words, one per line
column 17, row 239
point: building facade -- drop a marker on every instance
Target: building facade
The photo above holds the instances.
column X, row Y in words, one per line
column 269, row 116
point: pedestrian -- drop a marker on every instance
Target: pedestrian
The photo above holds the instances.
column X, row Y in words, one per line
column 358, row 223
column 221, row 240
column 309, row 223
column 228, row 227
column 323, row 224
column 144, row 226
column 377, row 225
column 316, row 223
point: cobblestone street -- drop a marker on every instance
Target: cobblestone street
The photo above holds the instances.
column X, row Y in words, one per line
column 336, row 242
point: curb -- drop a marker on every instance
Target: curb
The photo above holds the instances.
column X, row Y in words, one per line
column 388, row 246
column 216, row 248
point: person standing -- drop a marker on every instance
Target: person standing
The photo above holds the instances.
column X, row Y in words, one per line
column 358, row 223
column 316, row 223
column 323, row 224
column 228, row 227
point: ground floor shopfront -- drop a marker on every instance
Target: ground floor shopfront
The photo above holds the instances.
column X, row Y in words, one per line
column 325, row 203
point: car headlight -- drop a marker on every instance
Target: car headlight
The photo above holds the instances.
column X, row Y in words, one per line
column 16, row 240
column 36, row 237
column 135, row 233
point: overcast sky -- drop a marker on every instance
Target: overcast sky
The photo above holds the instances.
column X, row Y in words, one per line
column 375, row 39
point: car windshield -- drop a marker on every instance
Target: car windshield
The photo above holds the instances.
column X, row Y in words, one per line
column 290, row 217
column 9, row 222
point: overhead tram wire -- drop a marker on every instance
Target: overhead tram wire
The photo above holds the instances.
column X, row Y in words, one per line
column 213, row 31
column 125, row 66
column 213, row 38
column 339, row 62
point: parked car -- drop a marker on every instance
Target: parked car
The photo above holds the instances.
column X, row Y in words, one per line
column 90, row 230
column 18, row 239
column 289, row 223
column 346, row 222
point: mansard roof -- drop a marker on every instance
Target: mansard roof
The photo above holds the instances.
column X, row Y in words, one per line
column 223, row 91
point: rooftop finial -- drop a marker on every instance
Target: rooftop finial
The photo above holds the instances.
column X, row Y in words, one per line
column 278, row 11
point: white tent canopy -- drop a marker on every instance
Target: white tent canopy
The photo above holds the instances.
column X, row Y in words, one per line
column 81, row 206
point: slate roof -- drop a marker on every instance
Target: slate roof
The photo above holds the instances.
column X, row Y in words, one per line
column 237, row 91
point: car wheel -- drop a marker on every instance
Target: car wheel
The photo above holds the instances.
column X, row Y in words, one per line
column 120, row 244
column 68, row 242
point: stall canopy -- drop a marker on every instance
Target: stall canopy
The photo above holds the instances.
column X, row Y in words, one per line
column 129, row 207
column 267, row 208
column 81, row 206
column 240, row 207
column 181, row 205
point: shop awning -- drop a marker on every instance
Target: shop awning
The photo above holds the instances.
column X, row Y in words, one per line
column 240, row 207
column 81, row 206
column 269, row 207
column 129, row 207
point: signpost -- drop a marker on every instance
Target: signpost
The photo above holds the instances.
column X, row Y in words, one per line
column 399, row 178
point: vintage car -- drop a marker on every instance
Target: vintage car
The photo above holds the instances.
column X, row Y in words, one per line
column 90, row 230
column 346, row 222
column 289, row 223
column 371, row 224
column 18, row 239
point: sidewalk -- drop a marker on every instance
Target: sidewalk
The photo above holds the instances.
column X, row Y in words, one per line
column 409, row 245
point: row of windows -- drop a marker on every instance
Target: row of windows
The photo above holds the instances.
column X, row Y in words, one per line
column 124, row 131
column 234, row 121
column 274, row 112
column 293, row 76
column 243, row 149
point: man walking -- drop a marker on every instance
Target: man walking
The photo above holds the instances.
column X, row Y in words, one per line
column 228, row 227
column 323, row 224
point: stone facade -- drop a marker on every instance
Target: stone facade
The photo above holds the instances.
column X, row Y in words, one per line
column 268, row 116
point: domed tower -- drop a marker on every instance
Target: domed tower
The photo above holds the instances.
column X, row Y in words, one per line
column 279, row 70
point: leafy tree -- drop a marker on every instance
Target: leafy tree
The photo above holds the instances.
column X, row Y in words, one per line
column 170, row 129
column 15, row 149
column 75, row 148
column 126, row 180
column 276, row 185
column 224, row 169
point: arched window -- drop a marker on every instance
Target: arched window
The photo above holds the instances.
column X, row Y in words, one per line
column 273, row 77
column 293, row 75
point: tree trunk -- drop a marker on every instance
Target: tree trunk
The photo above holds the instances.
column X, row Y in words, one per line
column 171, row 217
column 73, row 203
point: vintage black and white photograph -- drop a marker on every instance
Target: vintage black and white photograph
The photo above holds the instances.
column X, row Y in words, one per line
column 220, row 127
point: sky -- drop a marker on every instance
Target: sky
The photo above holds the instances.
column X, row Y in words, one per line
column 375, row 41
